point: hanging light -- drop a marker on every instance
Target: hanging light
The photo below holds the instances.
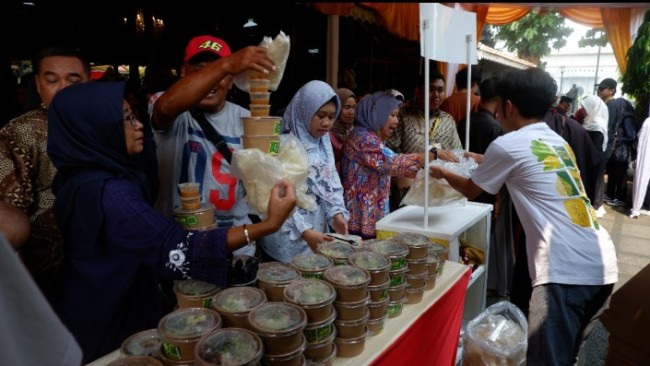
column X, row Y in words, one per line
column 250, row 23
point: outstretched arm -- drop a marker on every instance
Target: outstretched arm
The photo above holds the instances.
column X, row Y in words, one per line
column 463, row 185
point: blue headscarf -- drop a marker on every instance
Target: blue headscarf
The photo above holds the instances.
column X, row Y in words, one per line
column 297, row 119
column 87, row 145
column 374, row 109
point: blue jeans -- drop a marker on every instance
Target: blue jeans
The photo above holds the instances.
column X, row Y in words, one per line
column 560, row 320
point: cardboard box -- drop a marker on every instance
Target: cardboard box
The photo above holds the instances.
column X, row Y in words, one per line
column 628, row 319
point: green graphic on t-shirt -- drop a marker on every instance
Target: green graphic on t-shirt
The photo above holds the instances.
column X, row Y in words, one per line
column 546, row 155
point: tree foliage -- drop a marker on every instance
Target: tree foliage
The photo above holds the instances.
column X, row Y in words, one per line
column 533, row 36
column 594, row 37
column 636, row 80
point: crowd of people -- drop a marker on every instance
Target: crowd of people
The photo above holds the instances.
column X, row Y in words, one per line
column 90, row 186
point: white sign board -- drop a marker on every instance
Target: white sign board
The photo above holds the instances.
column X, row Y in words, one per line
column 444, row 34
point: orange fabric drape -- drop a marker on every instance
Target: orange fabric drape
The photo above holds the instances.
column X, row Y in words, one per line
column 617, row 27
column 342, row 9
column 500, row 15
column 589, row 17
column 402, row 19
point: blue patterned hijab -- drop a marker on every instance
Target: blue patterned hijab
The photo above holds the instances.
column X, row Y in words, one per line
column 374, row 109
column 86, row 144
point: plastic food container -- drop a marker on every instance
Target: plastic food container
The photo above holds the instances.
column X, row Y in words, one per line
column 414, row 294
column 395, row 307
column 260, row 98
column 397, row 276
column 337, row 251
column 352, row 328
column 416, row 266
column 320, row 350
column 350, row 347
column 350, row 282
column 234, row 304
column 394, row 250
column 279, row 325
column 376, row 326
column 376, row 264
column 189, row 189
column 260, row 110
column 261, row 126
column 378, row 309
column 273, row 277
column 242, row 270
column 314, row 296
column 191, row 203
column 430, row 281
column 144, row 343
column 295, row 358
column 311, row 265
column 416, row 280
column 416, row 243
column 328, row 361
column 259, row 84
column 432, row 263
column 319, row 331
column 269, row 144
column 442, row 252
column 379, row 292
column 396, row 292
column 194, row 293
column 136, row 361
column 198, row 219
column 229, row 346
column 352, row 310
column 181, row 330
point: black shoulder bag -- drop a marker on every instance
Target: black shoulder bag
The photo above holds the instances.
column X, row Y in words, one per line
column 218, row 142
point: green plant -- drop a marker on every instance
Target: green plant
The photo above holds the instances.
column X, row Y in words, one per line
column 636, row 79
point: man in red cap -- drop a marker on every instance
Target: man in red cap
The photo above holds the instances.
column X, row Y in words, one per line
column 185, row 152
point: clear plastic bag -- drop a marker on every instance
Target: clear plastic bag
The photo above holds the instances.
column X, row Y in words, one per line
column 440, row 192
column 259, row 172
column 278, row 52
column 496, row 337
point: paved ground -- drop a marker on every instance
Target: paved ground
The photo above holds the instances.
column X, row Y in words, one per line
column 632, row 239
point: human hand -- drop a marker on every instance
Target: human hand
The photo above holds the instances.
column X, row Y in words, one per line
column 249, row 58
column 478, row 158
column 281, row 202
column 447, row 155
column 313, row 238
column 436, row 171
column 339, row 224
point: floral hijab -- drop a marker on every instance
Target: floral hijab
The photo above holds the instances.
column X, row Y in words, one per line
column 374, row 109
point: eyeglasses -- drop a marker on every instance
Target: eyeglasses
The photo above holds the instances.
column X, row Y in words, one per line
column 132, row 118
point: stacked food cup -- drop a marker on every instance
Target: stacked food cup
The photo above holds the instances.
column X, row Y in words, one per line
column 417, row 273
column 261, row 131
column 378, row 266
column 316, row 298
column 351, row 285
column 397, row 253
column 193, row 214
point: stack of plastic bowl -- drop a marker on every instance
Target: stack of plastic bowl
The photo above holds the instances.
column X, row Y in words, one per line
column 193, row 214
column 261, row 131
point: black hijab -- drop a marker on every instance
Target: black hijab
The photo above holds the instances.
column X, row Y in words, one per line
column 87, row 145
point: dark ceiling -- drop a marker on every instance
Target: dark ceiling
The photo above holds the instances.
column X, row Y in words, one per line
column 98, row 29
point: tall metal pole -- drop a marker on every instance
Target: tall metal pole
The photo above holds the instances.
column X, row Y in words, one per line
column 597, row 67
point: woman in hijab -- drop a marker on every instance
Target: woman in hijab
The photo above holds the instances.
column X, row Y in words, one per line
column 116, row 245
column 310, row 116
column 368, row 165
column 595, row 122
column 343, row 124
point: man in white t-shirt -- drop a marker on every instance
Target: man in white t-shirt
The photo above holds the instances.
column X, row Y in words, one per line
column 571, row 257
column 184, row 152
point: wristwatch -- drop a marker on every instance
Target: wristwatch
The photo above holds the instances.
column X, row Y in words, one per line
column 434, row 150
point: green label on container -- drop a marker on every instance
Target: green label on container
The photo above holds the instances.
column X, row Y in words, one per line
column 171, row 351
column 397, row 264
column 318, row 334
column 207, row 303
column 274, row 147
column 188, row 220
column 276, row 128
column 394, row 310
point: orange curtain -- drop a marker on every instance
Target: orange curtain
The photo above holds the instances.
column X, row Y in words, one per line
column 402, row 19
column 501, row 15
column 617, row 27
column 342, row 9
column 589, row 17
